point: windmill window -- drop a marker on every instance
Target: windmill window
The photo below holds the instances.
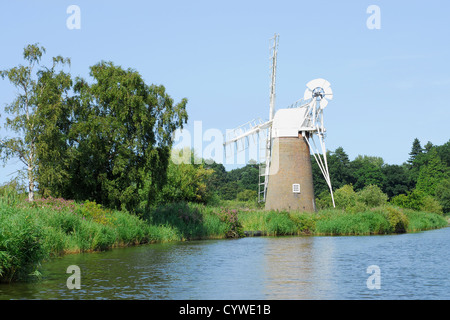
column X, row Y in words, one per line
column 296, row 188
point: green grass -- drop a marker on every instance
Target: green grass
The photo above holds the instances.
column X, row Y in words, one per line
column 381, row 220
column 31, row 233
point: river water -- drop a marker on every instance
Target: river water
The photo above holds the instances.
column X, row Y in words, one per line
column 407, row 266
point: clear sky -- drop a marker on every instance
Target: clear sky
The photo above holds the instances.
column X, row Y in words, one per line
column 390, row 85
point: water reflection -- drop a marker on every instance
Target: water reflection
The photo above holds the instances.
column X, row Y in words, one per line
column 299, row 268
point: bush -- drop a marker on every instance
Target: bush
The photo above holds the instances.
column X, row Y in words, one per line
column 104, row 238
column 247, row 195
column 186, row 182
column 431, row 205
column 417, row 200
column 230, row 217
column 372, row 196
column 323, row 201
column 345, row 197
column 57, row 204
column 305, row 222
column 92, row 210
column 398, row 221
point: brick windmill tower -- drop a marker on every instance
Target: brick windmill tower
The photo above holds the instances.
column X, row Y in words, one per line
column 286, row 180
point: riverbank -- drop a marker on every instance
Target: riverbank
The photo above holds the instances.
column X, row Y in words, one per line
column 31, row 233
column 376, row 221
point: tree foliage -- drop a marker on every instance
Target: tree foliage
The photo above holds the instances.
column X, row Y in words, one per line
column 107, row 141
column 118, row 143
column 40, row 91
column 186, row 182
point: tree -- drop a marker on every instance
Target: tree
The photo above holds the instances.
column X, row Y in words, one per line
column 443, row 194
column 367, row 171
column 35, row 89
column 431, row 174
column 428, row 146
column 230, row 190
column 53, row 128
column 417, row 200
column 118, row 141
column 395, row 180
column 218, row 176
column 339, row 168
column 247, row 195
column 444, row 153
column 416, row 149
column 240, row 179
column 186, row 182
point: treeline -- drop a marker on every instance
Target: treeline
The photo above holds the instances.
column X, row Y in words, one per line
column 424, row 179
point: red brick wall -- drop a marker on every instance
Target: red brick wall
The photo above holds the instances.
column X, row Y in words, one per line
column 291, row 156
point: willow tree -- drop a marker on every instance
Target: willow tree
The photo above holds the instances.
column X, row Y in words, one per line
column 33, row 86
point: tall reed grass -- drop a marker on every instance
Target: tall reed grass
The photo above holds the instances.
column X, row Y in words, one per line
column 380, row 220
column 32, row 232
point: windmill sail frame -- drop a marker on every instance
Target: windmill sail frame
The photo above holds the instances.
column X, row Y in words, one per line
column 310, row 124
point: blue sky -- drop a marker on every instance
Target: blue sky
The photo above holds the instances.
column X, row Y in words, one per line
column 390, row 85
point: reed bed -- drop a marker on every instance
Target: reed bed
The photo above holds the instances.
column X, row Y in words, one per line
column 31, row 233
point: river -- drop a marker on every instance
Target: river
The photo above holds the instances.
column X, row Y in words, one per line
column 406, row 266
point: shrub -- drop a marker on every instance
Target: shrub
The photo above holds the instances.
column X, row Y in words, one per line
column 57, row 204
column 398, row 221
column 345, row 197
column 430, row 204
column 323, row 201
column 247, row 195
column 92, row 210
column 104, row 238
column 417, row 200
column 305, row 222
column 230, row 217
column 372, row 196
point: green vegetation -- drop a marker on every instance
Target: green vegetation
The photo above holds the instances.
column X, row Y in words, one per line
column 31, row 232
column 108, row 141
column 375, row 221
column 106, row 145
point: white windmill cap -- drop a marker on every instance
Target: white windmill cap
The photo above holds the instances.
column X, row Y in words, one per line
column 288, row 122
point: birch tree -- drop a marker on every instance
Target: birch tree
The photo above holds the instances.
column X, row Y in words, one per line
column 24, row 110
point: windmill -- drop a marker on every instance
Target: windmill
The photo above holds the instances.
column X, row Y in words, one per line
column 287, row 140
